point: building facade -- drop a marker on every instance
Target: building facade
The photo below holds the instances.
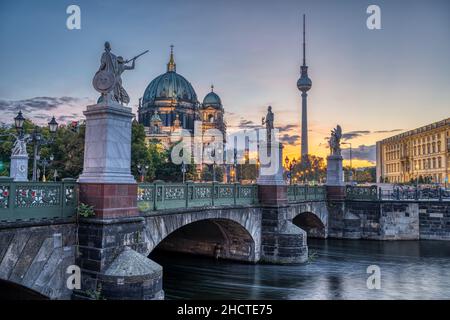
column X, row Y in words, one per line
column 422, row 154
column 170, row 103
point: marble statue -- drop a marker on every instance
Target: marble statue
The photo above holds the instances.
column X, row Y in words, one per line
column 108, row 79
column 268, row 121
column 19, row 148
column 335, row 141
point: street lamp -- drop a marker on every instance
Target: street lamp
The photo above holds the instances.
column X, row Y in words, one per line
column 236, row 179
column 183, row 170
column 213, row 155
column 45, row 163
column 39, row 140
column 142, row 170
column 290, row 167
column 18, row 122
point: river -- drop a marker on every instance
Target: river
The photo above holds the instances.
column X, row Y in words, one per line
column 336, row 270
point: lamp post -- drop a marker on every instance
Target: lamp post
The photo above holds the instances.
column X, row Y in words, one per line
column 45, row 163
column 213, row 155
column 235, row 165
column 39, row 140
column 183, row 170
column 350, row 175
column 290, row 166
column 142, row 170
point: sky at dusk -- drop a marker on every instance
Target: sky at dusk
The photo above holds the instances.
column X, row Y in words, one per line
column 374, row 83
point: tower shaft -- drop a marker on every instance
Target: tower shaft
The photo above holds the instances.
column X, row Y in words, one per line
column 304, row 125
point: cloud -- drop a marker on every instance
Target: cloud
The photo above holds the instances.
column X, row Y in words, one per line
column 290, row 139
column 248, row 124
column 287, row 127
column 354, row 134
column 388, row 131
column 36, row 103
column 41, row 109
column 363, row 152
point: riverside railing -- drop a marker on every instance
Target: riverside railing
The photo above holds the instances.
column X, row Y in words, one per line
column 372, row 193
column 37, row 200
column 306, row 193
column 369, row 193
column 160, row 196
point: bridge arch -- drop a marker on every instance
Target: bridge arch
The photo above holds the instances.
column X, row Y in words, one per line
column 311, row 223
column 232, row 233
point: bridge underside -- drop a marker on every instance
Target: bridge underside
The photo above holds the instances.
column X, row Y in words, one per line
column 218, row 238
column 311, row 224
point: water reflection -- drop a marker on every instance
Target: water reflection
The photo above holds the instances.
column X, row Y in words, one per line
column 409, row 270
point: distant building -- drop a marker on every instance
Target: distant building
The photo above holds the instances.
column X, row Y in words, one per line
column 422, row 153
column 170, row 103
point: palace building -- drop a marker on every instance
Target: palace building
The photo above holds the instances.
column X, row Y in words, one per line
column 422, row 154
column 170, row 103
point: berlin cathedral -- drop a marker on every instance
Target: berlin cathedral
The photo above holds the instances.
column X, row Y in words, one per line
column 170, row 103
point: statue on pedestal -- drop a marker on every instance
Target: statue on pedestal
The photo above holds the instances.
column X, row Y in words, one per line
column 268, row 121
column 108, row 80
column 335, row 141
column 19, row 148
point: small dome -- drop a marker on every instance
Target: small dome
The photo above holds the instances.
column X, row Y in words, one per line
column 212, row 99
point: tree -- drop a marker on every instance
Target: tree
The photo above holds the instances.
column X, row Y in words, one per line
column 207, row 173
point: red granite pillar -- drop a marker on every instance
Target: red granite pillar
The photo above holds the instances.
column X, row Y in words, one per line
column 110, row 200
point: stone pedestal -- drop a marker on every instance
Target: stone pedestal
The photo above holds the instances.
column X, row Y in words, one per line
column 281, row 241
column 19, row 167
column 335, row 172
column 111, row 244
column 106, row 182
column 107, row 149
column 335, row 178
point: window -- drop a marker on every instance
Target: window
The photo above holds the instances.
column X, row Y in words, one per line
column 439, row 162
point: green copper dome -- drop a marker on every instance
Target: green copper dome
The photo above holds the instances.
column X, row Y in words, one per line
column 170, row 85
column 212, row 99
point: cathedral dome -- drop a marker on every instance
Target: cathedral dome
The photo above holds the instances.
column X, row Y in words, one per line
column 170, row 85
column 212, row 99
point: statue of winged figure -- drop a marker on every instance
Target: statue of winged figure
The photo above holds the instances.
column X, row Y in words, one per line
column 19, row 148
column 335, row 141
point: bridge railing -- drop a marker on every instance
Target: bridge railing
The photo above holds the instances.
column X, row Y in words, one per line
column 37, row 200
column 412, row 193
column 160, row 196
column 369, row 193
column 305, row 193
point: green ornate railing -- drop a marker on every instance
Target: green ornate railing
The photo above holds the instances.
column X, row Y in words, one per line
column 160, row 196
column 306, row 193
column 362, row 193
column 37, row 200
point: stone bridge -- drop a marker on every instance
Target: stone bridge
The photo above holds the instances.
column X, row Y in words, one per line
column 112, row 252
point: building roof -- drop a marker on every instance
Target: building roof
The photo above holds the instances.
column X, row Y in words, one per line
column 426, row 128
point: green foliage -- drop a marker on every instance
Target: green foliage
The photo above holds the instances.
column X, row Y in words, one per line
column 85, row 210
column 247, row 172
column 310, row 169
column 207, row 173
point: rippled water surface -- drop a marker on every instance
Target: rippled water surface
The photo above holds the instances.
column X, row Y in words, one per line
column 337, row 270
